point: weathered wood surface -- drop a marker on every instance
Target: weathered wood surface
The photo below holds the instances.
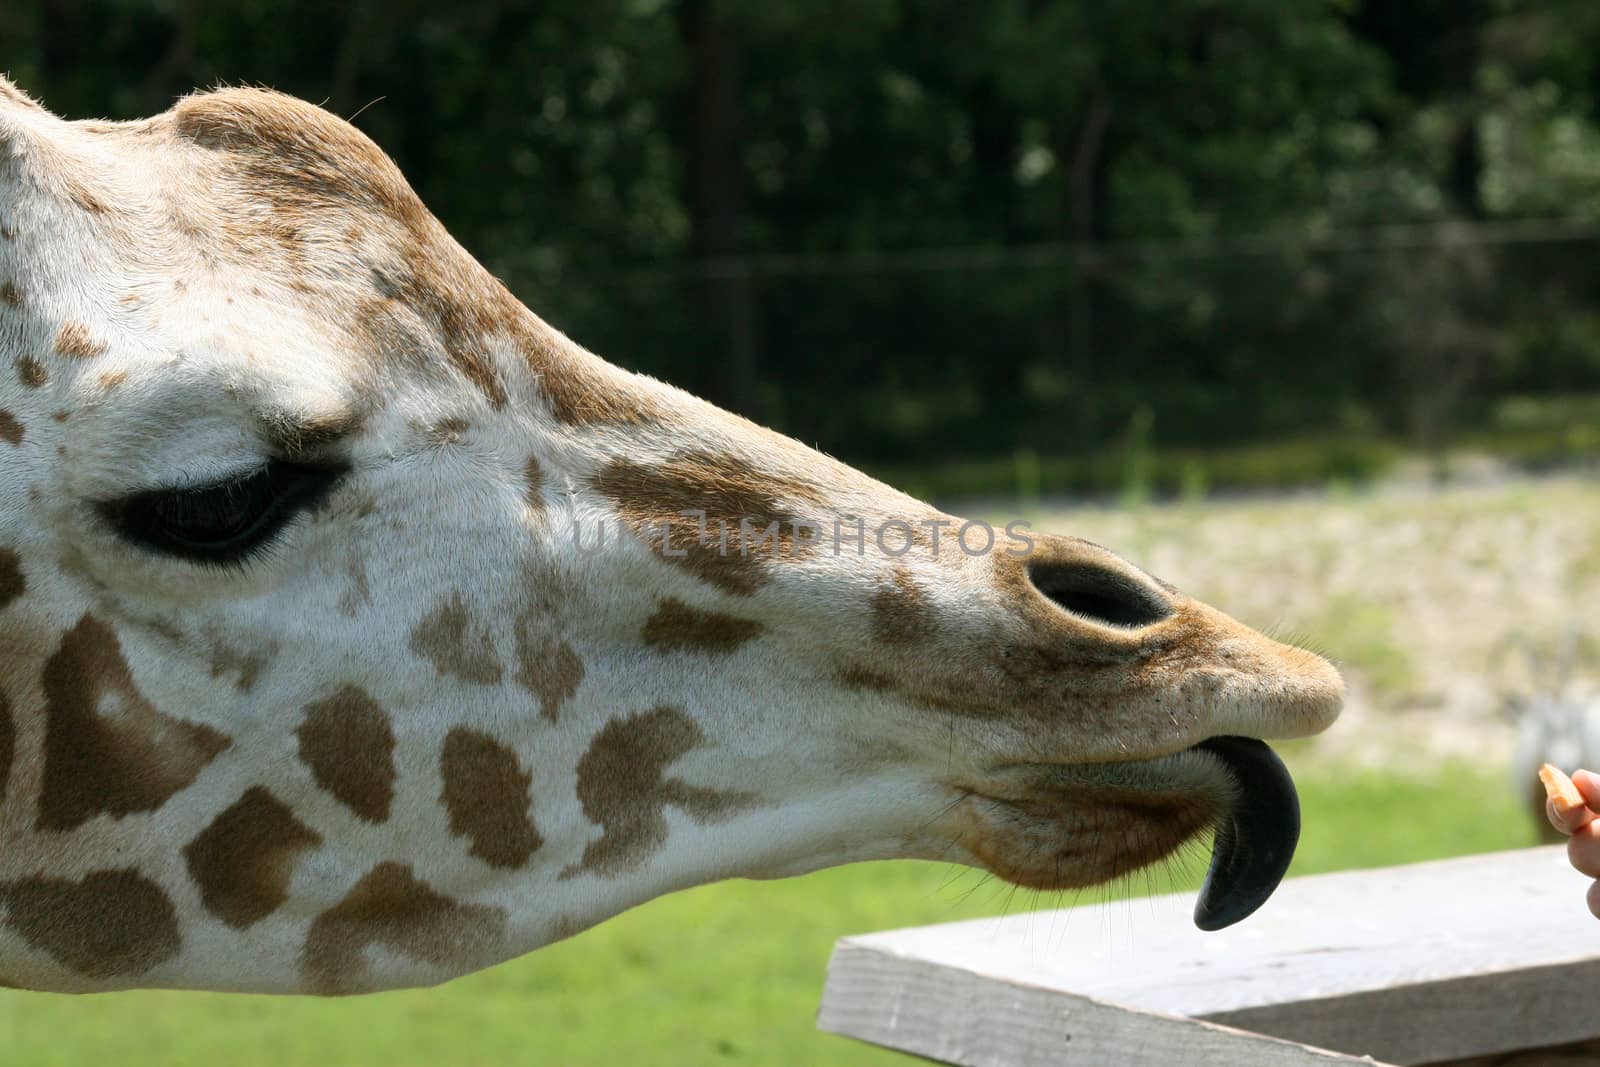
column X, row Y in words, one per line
column 958, row 1017
column 1421, row 964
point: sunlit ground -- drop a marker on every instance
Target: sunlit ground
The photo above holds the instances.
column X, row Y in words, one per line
column 1413, row 593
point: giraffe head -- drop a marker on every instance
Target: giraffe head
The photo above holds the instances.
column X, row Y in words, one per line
column 358, row 629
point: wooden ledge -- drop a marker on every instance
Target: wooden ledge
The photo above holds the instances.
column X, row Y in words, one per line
column 1439, row 961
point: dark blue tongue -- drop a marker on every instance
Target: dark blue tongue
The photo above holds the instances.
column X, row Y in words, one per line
column 1255, row 841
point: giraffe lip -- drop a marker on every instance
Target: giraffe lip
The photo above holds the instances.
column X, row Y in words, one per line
column 1255, row 837
column 1026, row 823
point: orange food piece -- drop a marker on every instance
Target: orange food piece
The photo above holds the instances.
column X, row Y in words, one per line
column 1564, row 796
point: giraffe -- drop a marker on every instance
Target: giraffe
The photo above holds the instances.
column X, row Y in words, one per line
column 359, row 630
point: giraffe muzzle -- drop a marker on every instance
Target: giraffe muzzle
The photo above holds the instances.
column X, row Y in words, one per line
column 1255, row 839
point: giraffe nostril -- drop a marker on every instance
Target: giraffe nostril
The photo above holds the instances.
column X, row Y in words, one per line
column 1100, row 594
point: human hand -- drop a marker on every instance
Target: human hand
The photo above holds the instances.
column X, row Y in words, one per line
column 1572, row 805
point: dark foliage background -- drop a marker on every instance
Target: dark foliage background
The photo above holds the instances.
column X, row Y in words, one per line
column 923, row 232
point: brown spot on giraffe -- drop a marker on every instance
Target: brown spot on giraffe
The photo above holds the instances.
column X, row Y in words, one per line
column 31, row 373
column 10, row 429
column 548, row 667
column 449, row 639
column 226, row 659
column 486, row 794
column 347, row 742
column 109, row 924
column 296, row 435
column 11, row 295
column 86, row 199
column 392, row 908
column 357, row 593
column 108, row 750
column 856, row 676
column 243, row 860
column 446, row 431
column 533, row 486
column 623, row 787
column 385, row 330
column 583, row 390
column 562, row 927
column 663, row 503
column 676, row 627
column 12, row 583
column 462, row 309
column 901, row 612
column 75, row 342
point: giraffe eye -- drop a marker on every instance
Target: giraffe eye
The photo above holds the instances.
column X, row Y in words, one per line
column 225, row 522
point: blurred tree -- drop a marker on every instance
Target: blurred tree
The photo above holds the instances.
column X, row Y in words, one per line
column 931, row 230
column 714, row 186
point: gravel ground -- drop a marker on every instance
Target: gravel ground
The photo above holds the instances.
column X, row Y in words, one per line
column 1433, row 601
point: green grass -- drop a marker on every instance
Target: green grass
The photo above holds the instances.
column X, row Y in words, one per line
column 725, row 973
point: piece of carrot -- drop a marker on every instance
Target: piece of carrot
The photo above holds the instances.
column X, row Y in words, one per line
column 1564, row 796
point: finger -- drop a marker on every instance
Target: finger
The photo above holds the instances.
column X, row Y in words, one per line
column 1584, row 850
column 1594, row 900
column 1555, row 819
column 1588, row 784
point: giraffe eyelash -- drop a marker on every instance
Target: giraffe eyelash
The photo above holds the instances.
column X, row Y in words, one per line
column 223, row 523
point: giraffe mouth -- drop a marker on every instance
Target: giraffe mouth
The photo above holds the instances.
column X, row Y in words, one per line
column 1071, row 826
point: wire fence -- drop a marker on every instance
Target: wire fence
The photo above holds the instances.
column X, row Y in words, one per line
column 1411, row 332
column 1391, row 237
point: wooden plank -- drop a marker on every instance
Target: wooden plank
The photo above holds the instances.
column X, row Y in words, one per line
column 1437, row 961
column 962, row 1018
